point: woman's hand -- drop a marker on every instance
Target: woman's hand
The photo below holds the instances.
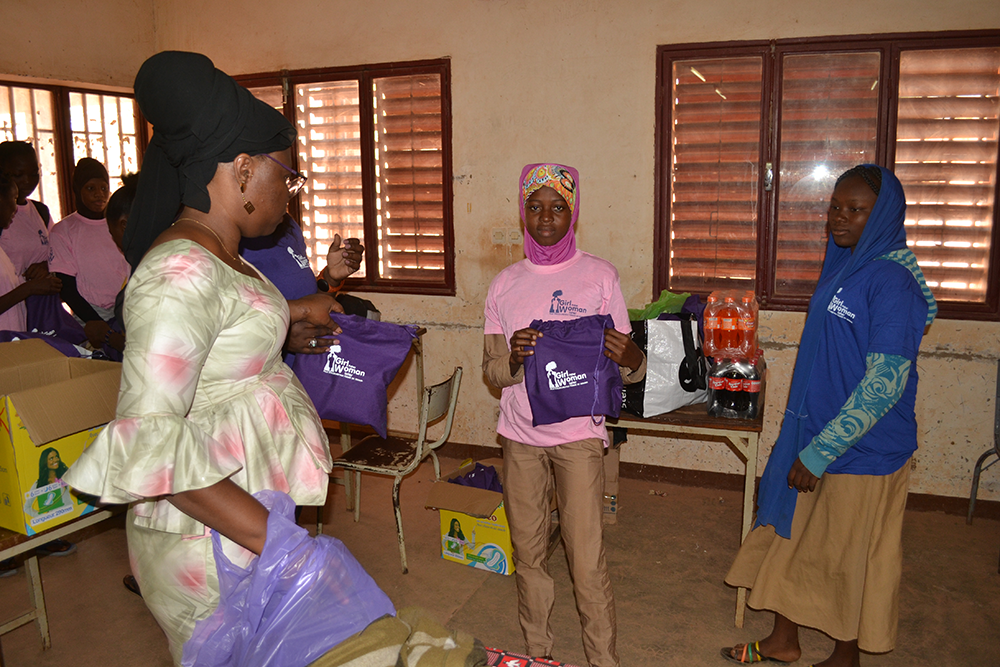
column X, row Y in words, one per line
column 522, row 346
column 47, row 284
column 621, row 349
column 315, row 309
column 36, row 270
column 800, row 479
column 96, row 331
column 342, row 261
column 302, row 334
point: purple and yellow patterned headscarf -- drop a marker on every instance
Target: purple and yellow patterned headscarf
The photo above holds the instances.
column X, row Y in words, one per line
column 566, row 181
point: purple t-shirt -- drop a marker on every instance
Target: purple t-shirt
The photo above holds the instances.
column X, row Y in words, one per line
column 282, row 257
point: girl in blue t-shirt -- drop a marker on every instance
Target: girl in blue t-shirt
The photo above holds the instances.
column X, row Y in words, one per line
column 825, row 551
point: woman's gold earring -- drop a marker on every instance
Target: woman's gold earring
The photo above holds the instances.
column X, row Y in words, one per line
column 247, row 205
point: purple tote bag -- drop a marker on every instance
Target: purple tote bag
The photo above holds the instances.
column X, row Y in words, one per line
column 349, row 383
column 568, row 375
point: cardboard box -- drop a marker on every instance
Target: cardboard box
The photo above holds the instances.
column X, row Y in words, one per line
column 51, row 408
column 474, row 528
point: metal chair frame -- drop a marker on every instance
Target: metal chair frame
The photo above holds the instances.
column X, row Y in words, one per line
column 438, row 401
column 993, row 451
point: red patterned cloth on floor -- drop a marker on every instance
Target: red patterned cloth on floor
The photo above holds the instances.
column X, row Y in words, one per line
column 497, row 658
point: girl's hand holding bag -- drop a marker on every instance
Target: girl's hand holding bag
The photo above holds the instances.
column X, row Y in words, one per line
column 568, row 375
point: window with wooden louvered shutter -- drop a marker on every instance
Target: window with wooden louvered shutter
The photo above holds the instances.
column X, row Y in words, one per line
column 410, row 195
column 375, row 144
column 714, row 138
column 828, row 124
column 752, row 136
column 946, row 157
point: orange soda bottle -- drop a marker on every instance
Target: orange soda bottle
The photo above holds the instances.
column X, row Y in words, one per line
column 728, row 336
column 711, row 318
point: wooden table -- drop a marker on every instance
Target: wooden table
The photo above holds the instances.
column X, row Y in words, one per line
column 740, row 434
column 14, row 544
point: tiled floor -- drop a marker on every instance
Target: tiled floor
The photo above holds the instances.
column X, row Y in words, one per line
column 668, row 554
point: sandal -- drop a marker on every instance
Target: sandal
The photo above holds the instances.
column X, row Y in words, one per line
column 748, row 655
column 132, row 585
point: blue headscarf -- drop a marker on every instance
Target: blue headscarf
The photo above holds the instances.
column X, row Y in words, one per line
column 883, row 233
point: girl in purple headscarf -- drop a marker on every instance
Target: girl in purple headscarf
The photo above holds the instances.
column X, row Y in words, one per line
column 555, row 282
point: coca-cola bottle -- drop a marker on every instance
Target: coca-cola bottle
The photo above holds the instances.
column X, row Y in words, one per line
column 746, row 403
column 724, row 387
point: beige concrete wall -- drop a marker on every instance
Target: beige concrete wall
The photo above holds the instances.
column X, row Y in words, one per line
column 571, row 82
column 94, row 41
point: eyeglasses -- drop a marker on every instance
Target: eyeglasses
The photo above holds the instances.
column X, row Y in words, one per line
column 295, row 180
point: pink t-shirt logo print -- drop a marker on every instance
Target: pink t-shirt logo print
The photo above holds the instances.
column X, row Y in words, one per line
column 560, row 306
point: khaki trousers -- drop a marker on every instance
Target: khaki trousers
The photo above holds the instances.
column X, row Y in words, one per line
column 579, row 484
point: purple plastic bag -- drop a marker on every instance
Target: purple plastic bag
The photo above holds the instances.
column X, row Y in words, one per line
column 349, row 383
column 299, row 599
column 568, row 375
column 46, row 315
column 480, row 477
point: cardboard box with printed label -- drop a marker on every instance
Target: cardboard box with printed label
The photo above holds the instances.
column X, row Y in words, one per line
column 51, row 408
column 474, row 529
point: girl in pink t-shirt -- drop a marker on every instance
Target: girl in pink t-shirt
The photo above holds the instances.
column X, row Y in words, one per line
column 84, row 255
column 555, row 282
column 13, row 288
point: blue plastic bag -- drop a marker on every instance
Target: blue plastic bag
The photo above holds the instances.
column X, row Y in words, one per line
column 299, row 599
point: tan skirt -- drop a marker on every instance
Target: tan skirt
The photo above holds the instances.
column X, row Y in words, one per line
column 840, row 571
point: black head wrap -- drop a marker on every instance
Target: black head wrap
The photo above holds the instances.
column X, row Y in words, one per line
column 86, row 170
column 201, row 117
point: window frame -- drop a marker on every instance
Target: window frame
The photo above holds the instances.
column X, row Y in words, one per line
column 63, row 131
column 891, row 46
column 364, row 75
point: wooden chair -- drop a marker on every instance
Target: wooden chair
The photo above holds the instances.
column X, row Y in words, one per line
column 397, row 456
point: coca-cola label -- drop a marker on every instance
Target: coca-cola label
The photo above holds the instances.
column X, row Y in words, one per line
column 734, row 384
column 751, row 386
column 717, row 384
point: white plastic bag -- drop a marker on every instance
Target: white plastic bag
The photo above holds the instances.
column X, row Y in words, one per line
column 676, row 370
